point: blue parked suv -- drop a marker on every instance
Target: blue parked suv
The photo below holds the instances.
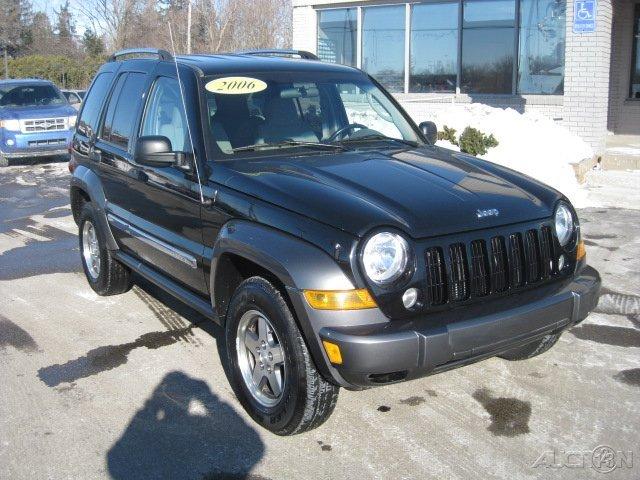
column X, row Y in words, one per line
column 36, row 120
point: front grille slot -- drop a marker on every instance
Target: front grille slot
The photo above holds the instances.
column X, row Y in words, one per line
column 436, row 277
column 546, row 252
column 532, row 254
column 479, row 269
column 499, row 281
column 516, row 260
column 458, row 286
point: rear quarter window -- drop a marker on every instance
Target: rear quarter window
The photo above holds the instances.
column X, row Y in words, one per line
column 88, row 121
column 123, row 107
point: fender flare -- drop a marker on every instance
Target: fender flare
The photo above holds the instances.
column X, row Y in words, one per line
column 297, row 264
column 86, row 180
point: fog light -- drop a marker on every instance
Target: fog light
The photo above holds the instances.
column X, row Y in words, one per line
column 561, row 262
column 10, row 143
column 410, row 297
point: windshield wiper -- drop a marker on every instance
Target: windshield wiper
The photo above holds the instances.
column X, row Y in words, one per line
column 289, row 143
column 379, row 136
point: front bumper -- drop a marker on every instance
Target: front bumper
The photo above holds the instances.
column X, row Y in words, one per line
column 39, row 144
column 393, row 351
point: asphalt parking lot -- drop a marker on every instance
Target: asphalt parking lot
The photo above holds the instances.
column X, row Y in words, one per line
column 133, row 387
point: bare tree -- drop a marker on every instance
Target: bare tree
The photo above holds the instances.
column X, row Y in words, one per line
column 217, row 25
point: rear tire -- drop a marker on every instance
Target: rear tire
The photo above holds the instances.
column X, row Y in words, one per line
column 303, row 399
column 105, row 274
column 532, row 349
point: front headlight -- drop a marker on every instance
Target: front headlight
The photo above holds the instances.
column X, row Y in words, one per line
column 385, row 257
column 564, row 223
column 71, row 121
column 13, row 125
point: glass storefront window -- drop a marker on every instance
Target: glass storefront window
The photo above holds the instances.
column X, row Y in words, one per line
column 499, row 42
column 337, row 33
column 488, row 46
column 542, row 43
column 434, row 47
column 383, row 32
column 635, row 66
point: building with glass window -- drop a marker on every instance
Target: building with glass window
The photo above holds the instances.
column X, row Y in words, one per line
column 576, row 61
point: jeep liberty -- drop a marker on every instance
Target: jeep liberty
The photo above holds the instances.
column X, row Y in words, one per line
column 297, row 205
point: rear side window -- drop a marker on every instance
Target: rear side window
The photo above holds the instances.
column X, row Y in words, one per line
column 91, row 110
column 122, row 109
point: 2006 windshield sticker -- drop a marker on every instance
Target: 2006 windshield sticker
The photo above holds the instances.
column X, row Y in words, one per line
column 235, row 85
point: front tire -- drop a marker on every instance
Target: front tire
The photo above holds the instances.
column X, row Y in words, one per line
column 105, row 274
column 271, row 370
column 533, row 349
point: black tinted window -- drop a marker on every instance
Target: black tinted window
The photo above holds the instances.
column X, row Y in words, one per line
column 122, row 109
column 91, row 110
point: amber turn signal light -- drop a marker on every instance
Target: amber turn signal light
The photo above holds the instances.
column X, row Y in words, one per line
column 340, row 299
column 333, row 352
column 581, row 251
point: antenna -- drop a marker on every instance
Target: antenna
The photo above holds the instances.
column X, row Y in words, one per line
column 186, row 116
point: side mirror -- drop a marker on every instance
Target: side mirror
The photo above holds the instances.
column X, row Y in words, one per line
column 430, row 132
column 156, row 151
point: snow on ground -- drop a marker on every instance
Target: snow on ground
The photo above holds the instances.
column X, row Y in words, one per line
column 613, row 189
column 529, row 143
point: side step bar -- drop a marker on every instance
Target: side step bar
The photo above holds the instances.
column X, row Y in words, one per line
column 169, row 286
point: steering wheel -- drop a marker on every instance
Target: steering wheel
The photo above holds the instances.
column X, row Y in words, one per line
column 342, row 132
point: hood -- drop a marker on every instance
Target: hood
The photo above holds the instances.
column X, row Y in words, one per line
column 425, row 192
column 40, row 111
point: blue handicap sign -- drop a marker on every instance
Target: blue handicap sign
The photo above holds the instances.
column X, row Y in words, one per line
column 584, row 16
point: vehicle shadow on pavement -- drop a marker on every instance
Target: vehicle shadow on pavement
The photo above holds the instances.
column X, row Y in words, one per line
column 185, row 431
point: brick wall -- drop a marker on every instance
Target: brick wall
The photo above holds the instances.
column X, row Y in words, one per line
column 586, row 84
column 624, row 114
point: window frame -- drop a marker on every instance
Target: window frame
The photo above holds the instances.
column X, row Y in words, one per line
column 635, row 46
column 407, row 44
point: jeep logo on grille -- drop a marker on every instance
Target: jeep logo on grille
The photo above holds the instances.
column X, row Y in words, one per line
column 489, row 212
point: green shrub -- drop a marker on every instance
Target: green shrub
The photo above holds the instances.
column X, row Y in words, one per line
column 448, row 134
column 474, row 142
column 66, row 72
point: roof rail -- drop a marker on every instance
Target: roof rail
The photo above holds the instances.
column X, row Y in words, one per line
column 162, row 54
column 282, row 53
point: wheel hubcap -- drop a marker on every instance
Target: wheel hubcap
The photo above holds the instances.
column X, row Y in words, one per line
column 261, row 358
column 91, row 250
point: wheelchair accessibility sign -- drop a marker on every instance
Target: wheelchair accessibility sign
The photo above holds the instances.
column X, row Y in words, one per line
column 584, row 16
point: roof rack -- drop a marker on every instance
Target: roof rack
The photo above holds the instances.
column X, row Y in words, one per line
column 282, row 53
column 162, row 54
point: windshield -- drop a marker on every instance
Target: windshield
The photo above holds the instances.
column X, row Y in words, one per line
column 30, row 96
column 262, row 112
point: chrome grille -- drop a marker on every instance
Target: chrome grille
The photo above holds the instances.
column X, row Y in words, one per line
column 43, row 125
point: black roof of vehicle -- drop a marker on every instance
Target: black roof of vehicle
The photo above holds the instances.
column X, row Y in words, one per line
column 237, row 63
column 240, row 62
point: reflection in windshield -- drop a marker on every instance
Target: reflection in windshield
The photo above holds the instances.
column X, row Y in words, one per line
column 29, row 96
column 272, row 110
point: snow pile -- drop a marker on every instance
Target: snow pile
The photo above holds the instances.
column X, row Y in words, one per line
column 529, row 143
